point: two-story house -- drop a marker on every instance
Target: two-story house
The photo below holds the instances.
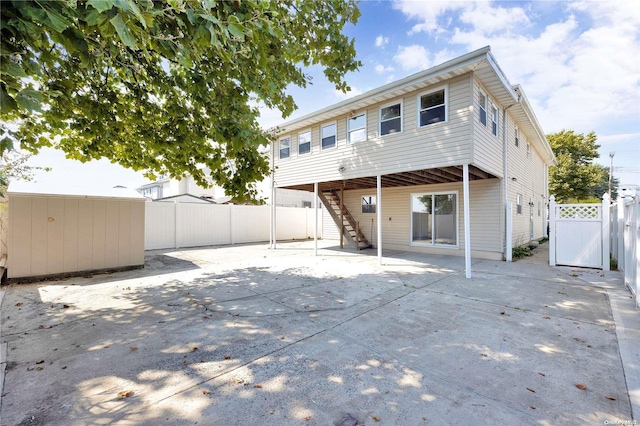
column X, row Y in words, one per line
column 432, row 163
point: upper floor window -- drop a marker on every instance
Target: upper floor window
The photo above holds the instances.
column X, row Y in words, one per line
column 357, row 128
column 528, row 150
column 285, row 148
column 483, row 108
column 433, row 108
column 369, row 204
column 304, row 143
column 494, row 120
column 391, row 119
column 519, row 204
column 328, row 135
column 517, row 137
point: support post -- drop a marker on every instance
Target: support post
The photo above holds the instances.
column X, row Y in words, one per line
column 379, row 217
column 467, row 221
column 606, row 231
column 552, row 231
column 508, row 249
column 620, row 219
column 315, row 222
column 341, row 217
column 357, row 236
column 275, row 212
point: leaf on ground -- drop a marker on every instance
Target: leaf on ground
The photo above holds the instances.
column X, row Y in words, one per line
column 125, row 394
column 65, row 306
column 133, row 348
column 195, row 348
column 532, row 407
column 39, row 368
column 227, row 357
column 19, row 304
column 281, row 337
column 501, row 312
column 40, row 362
column 257, row 385
column 542, row 374
column 581, row 386
column 206, row 392
column 64, row 367
column 376, row 418
column 531, row 390
column 307, row 418
column 484, row 355
column 609, row 397
column 546, row 317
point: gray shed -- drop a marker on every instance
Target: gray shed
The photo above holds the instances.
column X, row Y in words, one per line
column 65, row 231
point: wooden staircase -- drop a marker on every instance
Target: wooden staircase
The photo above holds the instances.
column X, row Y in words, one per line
column 350, row 230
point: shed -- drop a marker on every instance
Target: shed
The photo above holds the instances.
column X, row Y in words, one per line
column 68, row 231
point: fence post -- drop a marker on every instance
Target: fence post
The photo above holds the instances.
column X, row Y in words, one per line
column 606, row 232
column 508, row 255
column 620, row 219
column 552, row 231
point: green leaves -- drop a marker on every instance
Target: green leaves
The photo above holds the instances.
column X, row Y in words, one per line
column 164, row 86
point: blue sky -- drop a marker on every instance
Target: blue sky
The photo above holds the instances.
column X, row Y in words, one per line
column 578, row 63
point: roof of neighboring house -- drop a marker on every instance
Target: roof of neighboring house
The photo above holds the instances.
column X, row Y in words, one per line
column 47, row 189
column 185, row 198
column 484, row 66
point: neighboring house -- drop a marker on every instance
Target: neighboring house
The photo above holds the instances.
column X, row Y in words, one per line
column 167, row 189
column 398, row 157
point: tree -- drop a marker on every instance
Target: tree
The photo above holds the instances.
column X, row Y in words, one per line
column 167, row 87
column 575, row 175
column 602, row 186
column 13, row 165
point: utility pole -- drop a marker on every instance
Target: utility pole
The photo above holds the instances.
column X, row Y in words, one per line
column 611, row 154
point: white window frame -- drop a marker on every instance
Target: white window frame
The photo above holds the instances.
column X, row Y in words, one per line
column 363, row 114
column 372, row 201
column 518, row 203
column 310, row 142
column 495, row 119
column 457, row 223
column 484, row 108
column 335, row 135
column 446, row 105
column 401, row 117
column 528, row 150
column 517, row 137
column 288, row 139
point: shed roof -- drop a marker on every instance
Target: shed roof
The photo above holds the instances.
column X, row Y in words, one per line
column 47, row 189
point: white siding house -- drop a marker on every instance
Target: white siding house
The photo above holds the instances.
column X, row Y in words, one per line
column 397, row 158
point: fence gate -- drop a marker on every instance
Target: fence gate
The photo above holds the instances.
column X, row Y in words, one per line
column 579, row 234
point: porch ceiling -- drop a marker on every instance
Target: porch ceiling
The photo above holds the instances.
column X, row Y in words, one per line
column 409, row 178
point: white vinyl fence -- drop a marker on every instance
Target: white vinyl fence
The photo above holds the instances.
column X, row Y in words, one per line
column 174, row 225
column 625, row 240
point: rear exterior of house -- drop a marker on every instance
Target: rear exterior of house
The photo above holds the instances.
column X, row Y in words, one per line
column 392, row 162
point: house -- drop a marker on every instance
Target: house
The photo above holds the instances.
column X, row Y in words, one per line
column 188, row 190
column 416, row 163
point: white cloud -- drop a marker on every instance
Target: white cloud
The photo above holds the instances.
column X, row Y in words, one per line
column 412, row 57
column 427, row 13
column 382, row 41
column 381, row 69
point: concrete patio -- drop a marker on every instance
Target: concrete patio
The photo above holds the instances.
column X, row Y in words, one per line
column 244, row 335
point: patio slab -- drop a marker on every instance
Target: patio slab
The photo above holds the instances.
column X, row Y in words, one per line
column 246, row 335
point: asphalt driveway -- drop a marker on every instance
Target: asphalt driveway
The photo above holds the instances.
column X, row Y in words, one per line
column 243, row 335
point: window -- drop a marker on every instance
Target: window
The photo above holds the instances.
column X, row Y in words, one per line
column 538, row 208
column 519, row 204
column 528, row 150
column 369, row 204
column 483, row 108
column 304, row 143
column 285, row 148
column 328, row 134
column 391, row 119
column 306, row 204
column 434, row 219
column 357, row 128
column 517, row 137
column 494, row 120
column 433, row 108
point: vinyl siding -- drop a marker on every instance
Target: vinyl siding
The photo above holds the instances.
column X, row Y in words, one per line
column 487, row 149
column 437, row 145
column 485, row 205
column 530, row 175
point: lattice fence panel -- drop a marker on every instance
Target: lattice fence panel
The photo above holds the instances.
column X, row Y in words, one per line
column 578, row 211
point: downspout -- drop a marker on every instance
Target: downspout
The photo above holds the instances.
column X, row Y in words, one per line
column 505, row 172
column 272, row 198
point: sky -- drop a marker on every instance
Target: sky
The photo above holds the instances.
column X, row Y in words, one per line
column 578, row 63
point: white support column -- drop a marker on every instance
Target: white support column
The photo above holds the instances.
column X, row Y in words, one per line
column 620, row 220
column 275, row 211
column 552, row 231
column 315, row 223
column 379, row 217
column 606, row 232
column 508, row 249
column 467, row 222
